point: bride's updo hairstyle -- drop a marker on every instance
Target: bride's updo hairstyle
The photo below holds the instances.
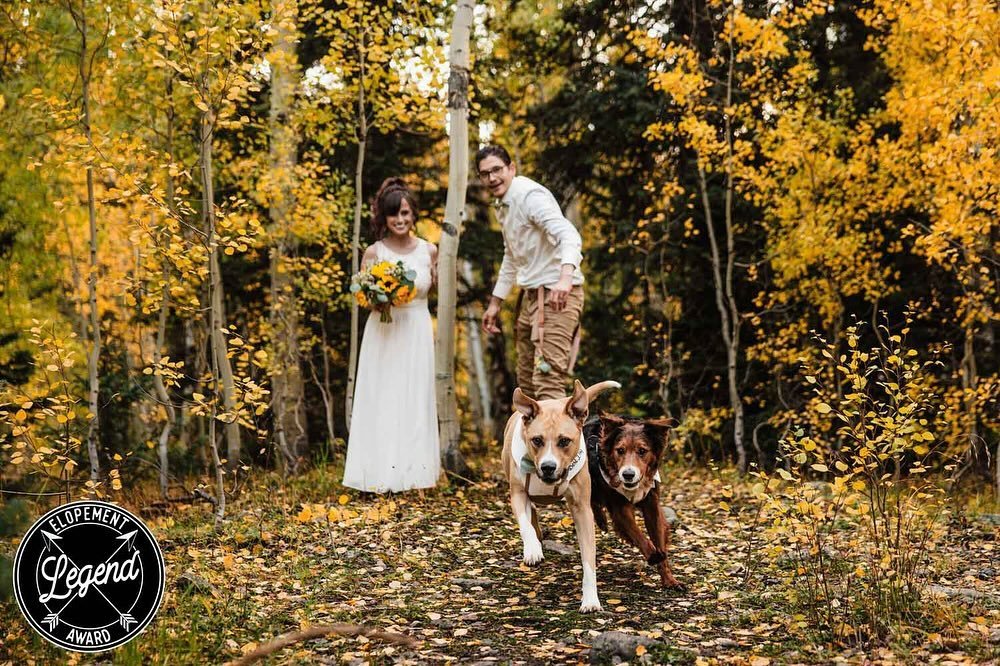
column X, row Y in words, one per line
column 387, row 202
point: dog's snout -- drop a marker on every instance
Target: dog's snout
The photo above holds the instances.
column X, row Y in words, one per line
column 628, row 475
column 548, row 468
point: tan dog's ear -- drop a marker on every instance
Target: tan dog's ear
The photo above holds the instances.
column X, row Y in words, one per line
column 578, row 406
column 522, row 403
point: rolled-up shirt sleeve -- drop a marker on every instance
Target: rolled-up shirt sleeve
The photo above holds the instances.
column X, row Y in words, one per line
column 543, row 210
column 507, row 276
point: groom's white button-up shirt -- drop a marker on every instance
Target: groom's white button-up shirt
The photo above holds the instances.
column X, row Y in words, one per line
column 537, row 239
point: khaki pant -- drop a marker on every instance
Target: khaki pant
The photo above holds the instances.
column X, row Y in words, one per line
column 560, row 328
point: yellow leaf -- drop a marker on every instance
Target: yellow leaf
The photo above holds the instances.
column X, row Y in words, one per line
column 305, row 515
column 227, row 562
column 820, row 467
column 823, row 408
column 566, row 521
column 843, row 629
column 640, row 650
column 343, row 499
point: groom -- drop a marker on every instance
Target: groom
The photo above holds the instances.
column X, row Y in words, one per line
column 541, row 256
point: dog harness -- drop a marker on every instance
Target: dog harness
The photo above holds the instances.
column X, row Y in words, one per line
column 539, row 491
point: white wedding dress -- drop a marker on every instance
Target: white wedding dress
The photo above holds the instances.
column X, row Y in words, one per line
column 393, row 444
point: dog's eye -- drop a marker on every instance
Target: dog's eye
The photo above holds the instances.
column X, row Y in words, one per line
column 564, row 442
column 537, row 441
column 620, row 450
column 643, row 452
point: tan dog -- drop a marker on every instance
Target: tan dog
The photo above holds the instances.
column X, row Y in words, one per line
column 545, row 460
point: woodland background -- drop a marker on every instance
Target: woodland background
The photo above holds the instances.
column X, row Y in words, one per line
column 766, row 191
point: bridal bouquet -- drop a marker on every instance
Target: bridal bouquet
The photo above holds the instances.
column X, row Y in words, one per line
column 383, row 285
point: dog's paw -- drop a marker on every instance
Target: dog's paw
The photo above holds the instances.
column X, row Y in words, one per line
column 675, row 585
column 656, row 557
column 533, row 553
column 590, row 605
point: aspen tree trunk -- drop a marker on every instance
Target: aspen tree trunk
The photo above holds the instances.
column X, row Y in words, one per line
column 725, row 299
column 94, row 386
column 352, row 364
column 286, row 373
column 324, row 384
column 454, row 213
column 161, row 329
column 733, row 340
column 215, row 317
column 729, row 324
column 217, row 320
column 478, row 361
column 161, row 391
column 222, row 370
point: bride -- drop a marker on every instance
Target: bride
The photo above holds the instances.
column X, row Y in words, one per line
column 393, row 443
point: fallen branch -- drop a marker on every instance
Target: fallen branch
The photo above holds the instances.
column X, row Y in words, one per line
column 472, row 483
column 162, row 506
column 205, row 496
column 320, row 631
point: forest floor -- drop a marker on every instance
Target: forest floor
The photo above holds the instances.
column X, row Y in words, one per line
column 443, row 568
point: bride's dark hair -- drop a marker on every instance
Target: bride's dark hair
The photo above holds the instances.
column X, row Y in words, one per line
column 387, row 202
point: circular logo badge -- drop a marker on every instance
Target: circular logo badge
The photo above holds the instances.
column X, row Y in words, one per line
column 89, row 576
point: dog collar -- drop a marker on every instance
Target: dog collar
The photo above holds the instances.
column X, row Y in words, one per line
column 535, row 487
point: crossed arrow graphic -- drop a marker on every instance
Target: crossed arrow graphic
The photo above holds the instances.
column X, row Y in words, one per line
column 127, row 539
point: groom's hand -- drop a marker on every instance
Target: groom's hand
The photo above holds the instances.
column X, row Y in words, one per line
column 491, row 316
column 559, row 292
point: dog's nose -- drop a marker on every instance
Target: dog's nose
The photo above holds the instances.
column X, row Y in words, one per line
column 548, row 468
column 628, row 475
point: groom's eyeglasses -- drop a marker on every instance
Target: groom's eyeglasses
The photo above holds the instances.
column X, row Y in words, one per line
column 486, row 175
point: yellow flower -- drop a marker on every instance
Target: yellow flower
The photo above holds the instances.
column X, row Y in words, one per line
column 403, row 295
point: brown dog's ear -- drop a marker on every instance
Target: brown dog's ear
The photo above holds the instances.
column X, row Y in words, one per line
column 579, row 405
column 527, row 406
column 658, row 430
column 610, row 424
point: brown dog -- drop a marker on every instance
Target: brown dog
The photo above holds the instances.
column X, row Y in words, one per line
column 545, row 460
column 624, row 457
